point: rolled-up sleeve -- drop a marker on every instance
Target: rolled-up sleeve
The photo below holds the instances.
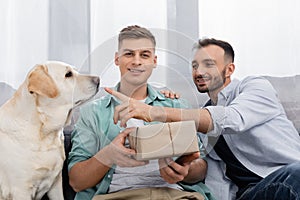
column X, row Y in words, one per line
column 217, row 114
column 85, row 143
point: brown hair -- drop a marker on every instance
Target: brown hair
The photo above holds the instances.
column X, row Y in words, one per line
column 229, row 52
column 135, row 32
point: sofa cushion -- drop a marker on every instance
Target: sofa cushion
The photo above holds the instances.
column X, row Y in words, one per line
column 6, row 91
column 288, row 89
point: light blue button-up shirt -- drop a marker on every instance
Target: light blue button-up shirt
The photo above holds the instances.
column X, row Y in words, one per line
column 254, row 124
column 95, row 129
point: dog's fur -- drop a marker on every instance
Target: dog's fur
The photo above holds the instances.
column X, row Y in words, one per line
column 31, row 122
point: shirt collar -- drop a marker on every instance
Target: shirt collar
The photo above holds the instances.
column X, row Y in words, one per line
column 227, row 91
column 152, row 95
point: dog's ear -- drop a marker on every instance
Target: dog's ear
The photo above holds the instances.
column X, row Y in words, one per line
column 41, row 83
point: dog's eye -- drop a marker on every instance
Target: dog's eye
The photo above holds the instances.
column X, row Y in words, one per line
column 69, row 74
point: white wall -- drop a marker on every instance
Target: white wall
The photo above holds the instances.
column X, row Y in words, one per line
column 264, row 34
column 107, row 20
column 23, row 38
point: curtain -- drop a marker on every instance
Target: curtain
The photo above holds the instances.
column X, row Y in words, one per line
column 34, row 31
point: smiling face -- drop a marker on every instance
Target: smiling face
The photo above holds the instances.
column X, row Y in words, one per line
column 211, row 71
column 136, row 60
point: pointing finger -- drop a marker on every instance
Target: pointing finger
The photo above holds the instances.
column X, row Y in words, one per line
column 117, row 94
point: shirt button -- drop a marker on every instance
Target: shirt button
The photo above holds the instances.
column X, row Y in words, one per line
column 108, row 176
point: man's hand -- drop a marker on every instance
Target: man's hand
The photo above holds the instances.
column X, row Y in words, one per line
column 175, row 171
column 170, row 94
column 116, row 153
column 186, row 159
column 131, row 108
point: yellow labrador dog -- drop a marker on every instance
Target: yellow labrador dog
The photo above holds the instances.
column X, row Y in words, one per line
column 31, row 122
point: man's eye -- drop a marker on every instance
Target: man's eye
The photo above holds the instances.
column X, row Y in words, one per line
column 128, row 54
column 195, row 66
column 208, row 65
column 69, row 74
column 145, row 55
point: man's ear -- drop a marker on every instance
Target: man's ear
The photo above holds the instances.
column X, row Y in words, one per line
column 117, row 58
column 230, row 69
column 155, row 61
column 41, row 83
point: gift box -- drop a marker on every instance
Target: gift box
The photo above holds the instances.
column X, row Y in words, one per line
column 164, row 140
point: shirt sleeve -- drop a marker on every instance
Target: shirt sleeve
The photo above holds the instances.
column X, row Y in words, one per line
column 85, row 143
column 254, row 102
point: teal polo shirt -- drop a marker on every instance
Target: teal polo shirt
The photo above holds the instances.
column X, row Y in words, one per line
column 95, row 129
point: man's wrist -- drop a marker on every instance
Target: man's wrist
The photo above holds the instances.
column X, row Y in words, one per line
column 158, row 114
column 103, row 157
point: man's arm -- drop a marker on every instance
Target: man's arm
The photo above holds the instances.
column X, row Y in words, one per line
column 131, row 108
column 88, row 173
column 201, row 117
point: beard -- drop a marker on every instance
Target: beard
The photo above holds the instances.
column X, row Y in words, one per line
column 216, row 82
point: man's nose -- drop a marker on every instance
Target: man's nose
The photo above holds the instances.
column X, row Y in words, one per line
column 199, row 70
column 137, row 60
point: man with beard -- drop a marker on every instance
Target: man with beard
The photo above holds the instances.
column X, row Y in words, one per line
column 254, row 138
